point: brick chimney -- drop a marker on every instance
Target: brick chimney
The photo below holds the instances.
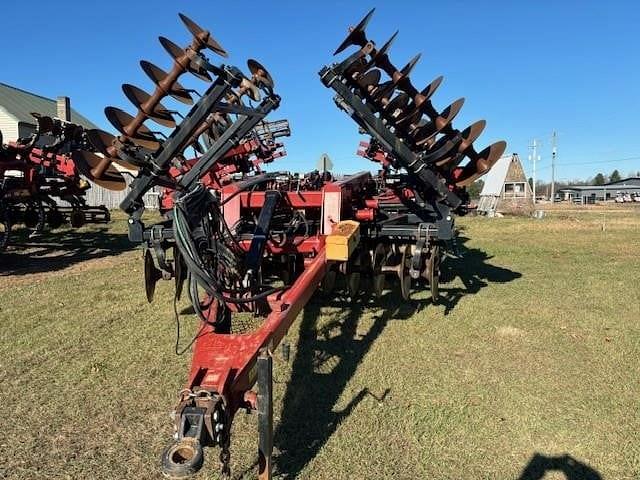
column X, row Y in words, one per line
column 63, row 105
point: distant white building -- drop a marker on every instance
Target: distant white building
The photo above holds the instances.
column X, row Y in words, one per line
column 506, row 189
column 600, row 193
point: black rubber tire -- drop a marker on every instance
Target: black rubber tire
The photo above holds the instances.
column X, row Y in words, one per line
column 434, row 269
column 76, row 218
column 5, row 233
column 54, row 219
column 182, row 459
column 31, row 218
column 34, row 216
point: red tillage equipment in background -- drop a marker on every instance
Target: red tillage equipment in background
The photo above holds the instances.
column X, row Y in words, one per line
column 238, row 240
column 34, row 172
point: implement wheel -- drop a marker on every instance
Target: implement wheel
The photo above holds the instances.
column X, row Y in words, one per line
column 433, row 272
column 34, row 216
column 55, row 219
column 379, row 260
column 77, row 218
column 403, row 271
column 5, row 231
column 182, row 459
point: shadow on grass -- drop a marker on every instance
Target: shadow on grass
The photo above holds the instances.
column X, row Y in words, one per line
column 474, row 271
column 323, row 365
column 53, row 251
column 572, row 469
column 308, row 415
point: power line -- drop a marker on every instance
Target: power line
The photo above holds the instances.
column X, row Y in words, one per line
column 627, row 159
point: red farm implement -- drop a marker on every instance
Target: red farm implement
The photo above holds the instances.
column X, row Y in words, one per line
column 238, row 240
column 36, row 173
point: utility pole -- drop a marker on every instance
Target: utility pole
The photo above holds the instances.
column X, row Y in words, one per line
column 533, row 157
column 554, row 150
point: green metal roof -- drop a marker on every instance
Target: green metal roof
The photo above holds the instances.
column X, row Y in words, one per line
column 20, row 103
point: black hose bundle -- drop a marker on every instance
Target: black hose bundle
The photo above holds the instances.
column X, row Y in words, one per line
column 211, row 253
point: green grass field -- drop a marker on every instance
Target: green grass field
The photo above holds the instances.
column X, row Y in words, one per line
column 533, row 354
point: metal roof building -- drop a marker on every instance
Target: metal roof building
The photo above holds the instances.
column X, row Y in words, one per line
column 16, row 122
column 16, row 106
column 593, row 193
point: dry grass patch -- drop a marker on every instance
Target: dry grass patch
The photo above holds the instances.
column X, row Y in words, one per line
column 531, row 356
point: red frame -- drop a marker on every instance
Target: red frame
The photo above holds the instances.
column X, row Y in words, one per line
column 226, row 363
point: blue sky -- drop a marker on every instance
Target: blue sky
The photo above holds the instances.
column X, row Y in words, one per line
column 527, row 67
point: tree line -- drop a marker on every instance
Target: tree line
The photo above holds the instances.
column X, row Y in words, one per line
column 600, row 178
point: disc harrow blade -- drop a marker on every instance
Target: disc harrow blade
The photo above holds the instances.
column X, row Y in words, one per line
column 99, row 170
column 157, row 76
column 480, row 164
column 203, row 36
column 369, row 81
column 425, row 134
column 248, row 88
column 100, row 140
column 356, row 34
column 468, row 135
column 141, row 100
column 181, row 57
column 384, row 50
column 121, row 120
column 261, row 76
column 397, row 106
column 45, row 123
column 382, row 94
column 103, row 142
column 421, row 103
column 381, row 58
column 408, row 68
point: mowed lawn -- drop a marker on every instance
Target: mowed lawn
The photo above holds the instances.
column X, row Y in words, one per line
column 529, row 366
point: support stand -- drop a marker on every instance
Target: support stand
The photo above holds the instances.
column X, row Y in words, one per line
column 265, row 414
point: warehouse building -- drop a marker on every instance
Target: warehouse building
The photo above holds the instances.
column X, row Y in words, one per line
column 598, row 193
